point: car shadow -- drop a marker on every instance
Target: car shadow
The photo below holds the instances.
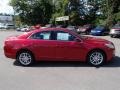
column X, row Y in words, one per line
column 114, row 63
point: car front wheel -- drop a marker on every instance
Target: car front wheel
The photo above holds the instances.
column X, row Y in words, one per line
column 112, row 36
column 96, row 58
column 25, row 58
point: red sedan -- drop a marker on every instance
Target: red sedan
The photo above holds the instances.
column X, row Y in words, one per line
column 57, row 44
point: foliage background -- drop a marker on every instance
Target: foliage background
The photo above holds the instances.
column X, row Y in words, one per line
column 31, row 12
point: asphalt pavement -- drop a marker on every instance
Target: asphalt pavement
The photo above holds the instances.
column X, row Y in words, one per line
column 58, row 76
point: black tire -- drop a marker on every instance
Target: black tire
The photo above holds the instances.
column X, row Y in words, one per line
column 111, row 36
column 25, row 58
column 96, row 58
column 87, row 32
column 103, row 34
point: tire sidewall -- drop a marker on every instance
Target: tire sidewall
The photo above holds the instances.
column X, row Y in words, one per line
column 88, row 58
column 32, row 58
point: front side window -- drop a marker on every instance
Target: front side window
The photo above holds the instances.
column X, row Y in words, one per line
column 41, row 35
column 65, row 36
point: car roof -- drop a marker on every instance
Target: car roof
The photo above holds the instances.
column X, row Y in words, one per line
column 51, row 29
column 54, row 29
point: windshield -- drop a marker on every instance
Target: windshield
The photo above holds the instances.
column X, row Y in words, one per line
column 116, row 26
column 99, row 27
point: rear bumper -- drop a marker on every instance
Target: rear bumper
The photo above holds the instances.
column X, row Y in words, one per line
column 115, row 34
column 9, row 53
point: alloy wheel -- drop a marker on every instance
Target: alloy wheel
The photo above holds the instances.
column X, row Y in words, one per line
column 25, row 58
column 96, row 58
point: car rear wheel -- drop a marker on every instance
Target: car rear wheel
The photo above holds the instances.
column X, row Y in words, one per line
column 96, row 58
column 25, row 58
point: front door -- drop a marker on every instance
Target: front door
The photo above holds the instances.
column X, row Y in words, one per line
column 67, row 47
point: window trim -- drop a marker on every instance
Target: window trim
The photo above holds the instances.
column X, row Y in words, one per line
column 54, row 32
column 63, row 32
column 40, row 32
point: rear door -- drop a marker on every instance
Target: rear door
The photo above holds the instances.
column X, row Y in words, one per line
column 43, row 45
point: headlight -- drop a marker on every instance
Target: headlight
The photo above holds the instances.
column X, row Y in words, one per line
column 112, row 31
column 92, row 31
column 110, row 45
column 78, row 29
column 98, row 31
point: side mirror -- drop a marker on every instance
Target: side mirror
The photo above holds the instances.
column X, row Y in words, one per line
column 77, row 40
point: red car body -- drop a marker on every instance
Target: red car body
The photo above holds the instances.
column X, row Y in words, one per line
column 56, row 50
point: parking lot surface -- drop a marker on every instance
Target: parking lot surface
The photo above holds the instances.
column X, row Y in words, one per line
column 58, row 75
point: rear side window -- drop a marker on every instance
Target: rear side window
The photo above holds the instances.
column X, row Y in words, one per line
column 42, row 35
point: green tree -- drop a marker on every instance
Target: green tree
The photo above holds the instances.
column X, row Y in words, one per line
column 59, row 9
column 76, row 11
column 80, row 11
column 33, row 11
column 93, row 10
column 112, row 8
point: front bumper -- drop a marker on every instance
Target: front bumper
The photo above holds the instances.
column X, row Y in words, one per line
column 110, row 54
column 96, row 33
column 115, row 32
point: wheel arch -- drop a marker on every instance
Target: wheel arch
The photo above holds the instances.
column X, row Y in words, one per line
column 25, row 49
column 96, row 49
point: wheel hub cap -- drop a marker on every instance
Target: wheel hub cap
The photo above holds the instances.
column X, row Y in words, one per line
column 96, row 58
column 25, row 58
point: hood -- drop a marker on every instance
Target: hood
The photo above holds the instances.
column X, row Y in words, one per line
column 97, row 30
column 97, row 41
column 115, row 28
